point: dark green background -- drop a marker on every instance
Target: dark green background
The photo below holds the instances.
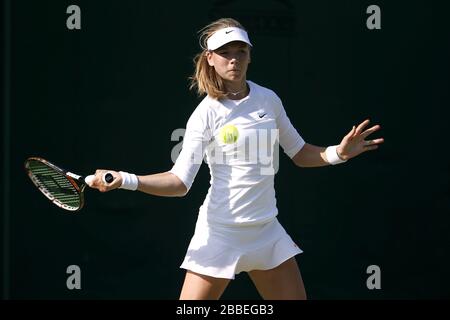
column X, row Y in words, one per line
column 111, row 94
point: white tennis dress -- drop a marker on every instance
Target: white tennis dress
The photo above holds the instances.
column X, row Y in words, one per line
column 237, row 229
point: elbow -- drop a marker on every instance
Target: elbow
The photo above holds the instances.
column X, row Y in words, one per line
column 181, row 191
column 179, row 188
column 297, row 160
column 299, row 164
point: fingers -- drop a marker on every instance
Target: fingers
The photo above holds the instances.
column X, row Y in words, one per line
column 98, row 181
column 93, row 180
column 372, row 144
column 351, row 133
column 361, row 126
column 372, row 147
column 378, row 141
column 89, row 180
column 370, row 131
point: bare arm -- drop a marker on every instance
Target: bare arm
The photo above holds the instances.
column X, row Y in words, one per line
column 311, row 156
column 164, row 184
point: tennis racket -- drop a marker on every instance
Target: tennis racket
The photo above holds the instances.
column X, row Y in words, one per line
column 63, row 188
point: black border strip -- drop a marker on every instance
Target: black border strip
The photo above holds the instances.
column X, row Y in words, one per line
column 6, row 147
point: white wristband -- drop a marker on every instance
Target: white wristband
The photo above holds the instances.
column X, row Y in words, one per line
column 129, row 181
column 332, row 156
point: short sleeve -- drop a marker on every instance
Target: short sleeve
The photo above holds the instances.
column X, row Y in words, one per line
column 195, row 141
column 290, row 139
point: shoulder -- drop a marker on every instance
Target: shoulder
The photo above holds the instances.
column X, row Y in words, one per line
column 264, row 92
column 202, row 108
column 204, row 112
column 207, row 105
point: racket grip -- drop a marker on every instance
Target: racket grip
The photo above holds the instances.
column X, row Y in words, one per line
column 108, row 177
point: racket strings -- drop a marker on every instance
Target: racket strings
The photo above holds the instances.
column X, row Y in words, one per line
column 55, row 186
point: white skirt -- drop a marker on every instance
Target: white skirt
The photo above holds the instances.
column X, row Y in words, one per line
column 224, row 251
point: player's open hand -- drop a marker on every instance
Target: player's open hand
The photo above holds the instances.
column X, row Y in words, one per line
column 355, row 143
column 99, row 180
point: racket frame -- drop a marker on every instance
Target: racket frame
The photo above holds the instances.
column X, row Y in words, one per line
column 75, row 180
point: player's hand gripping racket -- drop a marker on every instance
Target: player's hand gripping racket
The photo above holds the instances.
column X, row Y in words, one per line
column 63, row 188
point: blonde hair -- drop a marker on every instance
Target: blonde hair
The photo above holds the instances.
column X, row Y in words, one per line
column 205, row 79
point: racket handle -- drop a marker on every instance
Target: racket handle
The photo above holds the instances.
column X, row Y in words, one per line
column 107, row 178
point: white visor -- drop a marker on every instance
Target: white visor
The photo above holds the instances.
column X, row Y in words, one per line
column 226, row 35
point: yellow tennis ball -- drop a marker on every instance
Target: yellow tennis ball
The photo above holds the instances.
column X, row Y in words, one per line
column 229, row 134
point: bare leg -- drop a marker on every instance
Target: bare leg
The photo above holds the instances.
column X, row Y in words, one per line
column 200, row 287
column 280, row 283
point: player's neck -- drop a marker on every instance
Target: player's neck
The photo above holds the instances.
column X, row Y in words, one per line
column 237, row 92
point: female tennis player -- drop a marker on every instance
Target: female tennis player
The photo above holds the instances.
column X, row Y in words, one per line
column 237, row 228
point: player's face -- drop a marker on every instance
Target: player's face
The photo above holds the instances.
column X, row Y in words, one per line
column 231, row 61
